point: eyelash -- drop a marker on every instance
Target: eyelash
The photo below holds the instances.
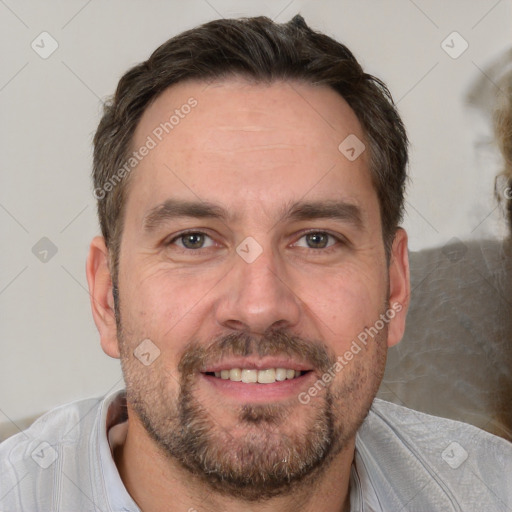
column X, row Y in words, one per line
column 339, row 240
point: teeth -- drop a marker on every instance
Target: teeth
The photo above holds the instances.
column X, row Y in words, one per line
column 267, row 376
column 280, row 374
column 249, row 376
column 235, row 374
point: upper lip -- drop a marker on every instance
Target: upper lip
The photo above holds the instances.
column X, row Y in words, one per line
column 255, row 363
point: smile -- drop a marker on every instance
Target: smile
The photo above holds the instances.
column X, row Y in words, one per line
column 264, row 376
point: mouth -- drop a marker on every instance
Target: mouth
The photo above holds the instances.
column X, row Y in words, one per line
column 258, row 380
column 253, row 376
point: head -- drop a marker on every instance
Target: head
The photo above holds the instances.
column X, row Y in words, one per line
column 257, row 232
column 262, row 52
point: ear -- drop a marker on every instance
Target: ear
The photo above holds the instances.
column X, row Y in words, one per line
column 399, row 286
column 102, row 299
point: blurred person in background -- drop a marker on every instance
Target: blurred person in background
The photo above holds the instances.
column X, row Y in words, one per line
column 455, row 359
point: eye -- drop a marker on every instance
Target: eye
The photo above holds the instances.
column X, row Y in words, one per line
column 193, row 240
column 316, row 240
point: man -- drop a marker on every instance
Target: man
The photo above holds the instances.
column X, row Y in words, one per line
column 250, row 276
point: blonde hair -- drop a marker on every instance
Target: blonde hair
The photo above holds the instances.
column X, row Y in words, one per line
column 503, row 131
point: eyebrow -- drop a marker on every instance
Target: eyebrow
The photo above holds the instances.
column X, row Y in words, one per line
column 175, row 208
column 336, row 210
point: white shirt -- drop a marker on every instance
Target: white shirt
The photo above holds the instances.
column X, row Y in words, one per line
column 404, row 461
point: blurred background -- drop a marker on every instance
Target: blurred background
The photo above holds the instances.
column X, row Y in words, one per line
column 444, row 62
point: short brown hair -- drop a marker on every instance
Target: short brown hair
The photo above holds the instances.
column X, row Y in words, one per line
column 262, row 51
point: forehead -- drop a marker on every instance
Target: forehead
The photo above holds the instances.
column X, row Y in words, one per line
column 238, row 142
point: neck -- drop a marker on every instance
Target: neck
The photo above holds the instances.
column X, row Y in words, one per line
column 158, row 483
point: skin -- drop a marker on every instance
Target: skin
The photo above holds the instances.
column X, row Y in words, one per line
column 253, row 150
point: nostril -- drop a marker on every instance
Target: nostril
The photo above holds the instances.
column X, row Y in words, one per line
column 235, row 325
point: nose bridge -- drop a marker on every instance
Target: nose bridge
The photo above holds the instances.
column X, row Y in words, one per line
column 256, row 295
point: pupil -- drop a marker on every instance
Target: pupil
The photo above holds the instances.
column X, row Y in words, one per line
column 193, row 240
column 317, row 240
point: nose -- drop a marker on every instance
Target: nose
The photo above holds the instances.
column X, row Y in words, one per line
column 258, row 296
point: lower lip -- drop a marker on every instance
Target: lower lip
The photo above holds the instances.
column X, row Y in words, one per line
column 255, row 392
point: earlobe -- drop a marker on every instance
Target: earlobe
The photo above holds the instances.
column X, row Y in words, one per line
column 399, row 286
column 101, row 295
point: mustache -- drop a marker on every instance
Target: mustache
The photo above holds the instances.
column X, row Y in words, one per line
column 275, row 342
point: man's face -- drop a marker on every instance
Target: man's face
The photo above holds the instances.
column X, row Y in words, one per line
column 252, row 249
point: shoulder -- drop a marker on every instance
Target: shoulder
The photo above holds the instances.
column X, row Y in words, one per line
column 63, row 424
column 429, row 461
column 32, row 462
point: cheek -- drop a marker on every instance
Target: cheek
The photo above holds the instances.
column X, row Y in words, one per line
column 346, row 302
column 163, row 305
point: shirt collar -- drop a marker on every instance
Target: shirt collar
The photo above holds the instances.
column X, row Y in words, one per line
column 112, row 432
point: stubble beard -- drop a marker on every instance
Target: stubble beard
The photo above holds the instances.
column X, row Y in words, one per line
column 264, row 461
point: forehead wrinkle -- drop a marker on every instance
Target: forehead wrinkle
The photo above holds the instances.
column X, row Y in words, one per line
column 254, row 147
column 245, row 128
